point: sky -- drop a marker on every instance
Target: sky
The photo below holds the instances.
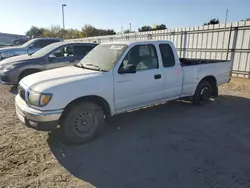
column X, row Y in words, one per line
column 17, row 16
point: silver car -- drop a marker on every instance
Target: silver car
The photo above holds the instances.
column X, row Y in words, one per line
column 55, row 55
column 27, row 48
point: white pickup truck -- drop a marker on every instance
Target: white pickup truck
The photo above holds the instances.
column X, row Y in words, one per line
column 114, row 78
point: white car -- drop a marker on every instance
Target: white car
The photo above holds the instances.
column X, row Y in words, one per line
column 114, row 78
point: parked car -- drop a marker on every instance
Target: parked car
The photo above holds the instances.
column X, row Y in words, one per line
column 27, row 48
column 114, row 78
column 55, row 55
column 20, row 41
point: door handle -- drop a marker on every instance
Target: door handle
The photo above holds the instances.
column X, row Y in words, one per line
column 157, row 76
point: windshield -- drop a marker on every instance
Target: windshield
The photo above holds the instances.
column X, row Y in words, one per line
column 44, row 51
column 103, row 56
column 27, row 43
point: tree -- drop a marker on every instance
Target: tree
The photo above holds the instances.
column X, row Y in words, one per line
column 57, row 31
column 161, row 27
column 72, row 34
column 126, row 31
column 106, row 32
column 156, row 27
column 145, row 28
column 47, row 33
column 91, row 31
column 248, row 19
column 35, row 32
column 212, row 22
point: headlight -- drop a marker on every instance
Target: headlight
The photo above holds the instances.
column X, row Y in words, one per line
column 9, row 67
column 38, row 99
column 5, row 55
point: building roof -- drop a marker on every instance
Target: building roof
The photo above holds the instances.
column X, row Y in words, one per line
column 12, row 35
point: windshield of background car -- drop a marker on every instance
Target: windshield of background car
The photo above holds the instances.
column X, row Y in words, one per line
column 104, row 56
column 25, row 45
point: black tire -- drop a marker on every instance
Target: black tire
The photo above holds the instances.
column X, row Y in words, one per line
column 81, row 123
column 203, row 93
column 27, row 73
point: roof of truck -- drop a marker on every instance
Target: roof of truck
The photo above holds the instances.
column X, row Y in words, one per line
column 129, row 42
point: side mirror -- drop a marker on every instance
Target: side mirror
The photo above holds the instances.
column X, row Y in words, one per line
column 51, row 57
column 32, row 46
column 127, row 69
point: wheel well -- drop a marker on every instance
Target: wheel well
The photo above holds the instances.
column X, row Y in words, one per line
column 28, row 71
column 213, row 82
column 95, row 99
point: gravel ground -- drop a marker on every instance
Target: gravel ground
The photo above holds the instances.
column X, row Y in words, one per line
column 170, row 145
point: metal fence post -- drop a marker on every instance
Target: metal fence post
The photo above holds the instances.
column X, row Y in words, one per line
column 181, row 43
column 185, row 44
column 234, row 46
column 150, row 36
column 228, row 44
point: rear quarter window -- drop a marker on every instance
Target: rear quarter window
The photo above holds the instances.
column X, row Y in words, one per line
column 167, row 55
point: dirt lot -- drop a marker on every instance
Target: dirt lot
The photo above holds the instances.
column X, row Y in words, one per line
column 171, row 145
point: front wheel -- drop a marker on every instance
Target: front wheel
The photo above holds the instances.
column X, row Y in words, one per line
column 82, row 122
column 202, row 93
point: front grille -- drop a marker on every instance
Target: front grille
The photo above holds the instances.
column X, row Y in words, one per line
column 21, row 92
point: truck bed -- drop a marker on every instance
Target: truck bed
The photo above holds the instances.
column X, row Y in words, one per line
column 190, row 62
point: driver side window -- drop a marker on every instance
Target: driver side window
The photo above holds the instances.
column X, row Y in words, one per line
column 63, row 51
column 37, row 44
column 143, row 57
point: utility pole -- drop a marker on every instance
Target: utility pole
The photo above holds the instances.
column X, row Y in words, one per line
column 223, row 40
column 130, row 27
column 226, row 16
column 122, row 29
column 63, row 5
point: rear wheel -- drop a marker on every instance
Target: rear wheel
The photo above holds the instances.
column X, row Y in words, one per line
column 202, row 93
column 82, row 122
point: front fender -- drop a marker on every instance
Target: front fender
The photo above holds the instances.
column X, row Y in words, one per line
column 64, row 93
column 39, row 67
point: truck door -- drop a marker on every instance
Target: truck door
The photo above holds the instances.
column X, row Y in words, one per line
column 172, row 71
column 143, row 87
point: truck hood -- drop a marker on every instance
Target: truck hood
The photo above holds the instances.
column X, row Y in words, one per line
column 16, row 60
column 46, row 80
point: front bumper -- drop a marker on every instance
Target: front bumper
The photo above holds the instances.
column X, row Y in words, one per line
column 7, row 78
column 40, row 120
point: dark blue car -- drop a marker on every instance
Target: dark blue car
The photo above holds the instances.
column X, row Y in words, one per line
column 55, row 55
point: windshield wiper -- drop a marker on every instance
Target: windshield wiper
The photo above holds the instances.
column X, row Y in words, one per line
column 97, row 67
column 79, row 65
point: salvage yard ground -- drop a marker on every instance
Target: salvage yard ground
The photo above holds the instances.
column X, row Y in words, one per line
column 171, row 145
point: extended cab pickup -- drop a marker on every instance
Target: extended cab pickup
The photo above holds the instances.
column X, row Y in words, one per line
column 114, row 78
